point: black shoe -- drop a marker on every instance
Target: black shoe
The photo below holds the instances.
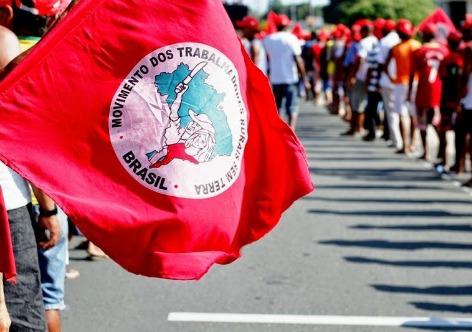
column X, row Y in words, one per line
column 368, row 138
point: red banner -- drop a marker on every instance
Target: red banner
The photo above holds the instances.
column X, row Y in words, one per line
column 152, row 129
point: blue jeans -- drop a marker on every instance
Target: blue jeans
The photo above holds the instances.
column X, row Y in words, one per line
column 24, row 299
column 286, row 96
column 52, row 263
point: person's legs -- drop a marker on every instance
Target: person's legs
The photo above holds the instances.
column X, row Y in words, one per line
column 400, row 93
column 52, row 263
column 422, row 114
column 393, row 121
column 444, row 127
column 24, row 299
column 413, row 118
column 291, row 104
column 373, row 100
column 459, row 143
column 278, row 90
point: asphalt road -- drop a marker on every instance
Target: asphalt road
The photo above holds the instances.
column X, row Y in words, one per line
column 383, row 240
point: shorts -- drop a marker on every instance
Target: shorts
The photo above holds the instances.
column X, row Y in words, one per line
column 447, row 116
column 358, row 96
column 327, row 85
column 24, row 299
column 400, row 104
column 52, row 263
column 286, row 97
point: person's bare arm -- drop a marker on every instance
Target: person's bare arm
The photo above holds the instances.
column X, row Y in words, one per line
column 9, row 65
column 386, row 65
column 301, row 70
column 49, row 231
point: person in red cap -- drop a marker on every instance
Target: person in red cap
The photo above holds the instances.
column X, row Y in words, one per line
column 464, row 116
column 451, row 72
column 250, row 27
column 426, row 63
column 339, row 50
column 286, row 67
column 321, row 88
column 401, row 55
column 357, row 78
column 391, row 119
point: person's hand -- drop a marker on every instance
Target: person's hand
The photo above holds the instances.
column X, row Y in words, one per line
column 49, row 232
column 436, row 121
column 307, row 84
column 5, row 320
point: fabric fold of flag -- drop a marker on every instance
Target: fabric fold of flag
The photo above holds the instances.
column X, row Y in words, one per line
column 7, row 259
column 149, row 125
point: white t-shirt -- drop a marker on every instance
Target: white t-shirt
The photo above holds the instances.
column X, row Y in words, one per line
column 385, row 45
column 364, row 47
column 16, row 191
column 281, row 47
column 262, row 58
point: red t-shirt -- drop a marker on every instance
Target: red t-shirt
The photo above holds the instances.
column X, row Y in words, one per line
column 426, row 63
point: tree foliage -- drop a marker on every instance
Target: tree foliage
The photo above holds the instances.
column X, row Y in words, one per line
column 348, row 11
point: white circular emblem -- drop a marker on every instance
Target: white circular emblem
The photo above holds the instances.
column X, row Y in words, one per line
column 178, row 123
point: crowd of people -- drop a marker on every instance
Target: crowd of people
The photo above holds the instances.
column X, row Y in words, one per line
column 387, row 79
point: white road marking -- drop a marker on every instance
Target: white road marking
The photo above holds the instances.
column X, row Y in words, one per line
column 431, row 322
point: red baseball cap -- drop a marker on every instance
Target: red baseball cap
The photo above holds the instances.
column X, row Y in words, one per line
column 430, row 29
column 389, row 25
column 323, row 35
column 4, row 3
column 404, row 26
column 379, row 23
column 248, row 22
column 43, row 7
column 283, row 20
column 364, row 22
column 467, row 24
column 454, row 36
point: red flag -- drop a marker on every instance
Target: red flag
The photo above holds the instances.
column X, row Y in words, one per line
column 271, row 26
column 444, row 24
column 152, row 129
column 7, row 259
column 298, row 31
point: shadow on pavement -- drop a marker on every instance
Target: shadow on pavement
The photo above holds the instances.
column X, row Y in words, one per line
column 422, row 228
column 411, row 263
column 434, row 290
column 464, row 309
column 391, row 245
column 394, row 213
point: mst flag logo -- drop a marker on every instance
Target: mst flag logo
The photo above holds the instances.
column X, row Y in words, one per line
column 178, row 123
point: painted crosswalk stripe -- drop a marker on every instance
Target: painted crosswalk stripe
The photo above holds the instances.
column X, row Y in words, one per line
column 432, row 322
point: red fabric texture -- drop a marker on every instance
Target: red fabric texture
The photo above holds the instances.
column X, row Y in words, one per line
column 7, row 259
column 442, row 22
column 55, row 109
column 271, row 26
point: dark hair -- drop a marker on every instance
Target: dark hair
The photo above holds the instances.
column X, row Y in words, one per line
column 28, row 24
